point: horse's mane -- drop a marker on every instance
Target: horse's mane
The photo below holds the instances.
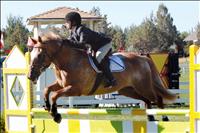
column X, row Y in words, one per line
column 56, row 38
column 50, row 36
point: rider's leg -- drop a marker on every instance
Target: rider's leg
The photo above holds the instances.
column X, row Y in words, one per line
column 103, row 60
column 105, row 66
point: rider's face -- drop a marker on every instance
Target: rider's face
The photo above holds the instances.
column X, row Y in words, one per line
column 68, row 25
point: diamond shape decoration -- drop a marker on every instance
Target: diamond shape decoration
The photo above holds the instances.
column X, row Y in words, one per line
column 17, row 91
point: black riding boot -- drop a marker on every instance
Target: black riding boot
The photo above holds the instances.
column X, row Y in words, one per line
column 105, row 67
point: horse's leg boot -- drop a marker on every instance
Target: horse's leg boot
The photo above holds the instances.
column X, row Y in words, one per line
column 165, row 118
column 54, row 113
column 47, row 105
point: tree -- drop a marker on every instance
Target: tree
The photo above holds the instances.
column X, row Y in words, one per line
column 115, row 32
column 16, row 33
column 96, row 11
column 103, row 25
column 143, row 37
column 106, row 28
column 167, row 32
column 181, row 44
column 183, row 35
column 118, row 37
column 154, row 34
column 198, row 31
column 149, row 32
column 132, row 37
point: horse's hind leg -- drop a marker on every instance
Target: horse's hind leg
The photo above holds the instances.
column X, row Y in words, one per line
column 161, row 105
column 130, row 92
column 53, row 87
column 149, row 106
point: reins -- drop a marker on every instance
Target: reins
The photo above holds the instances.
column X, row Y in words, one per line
column 54, row 55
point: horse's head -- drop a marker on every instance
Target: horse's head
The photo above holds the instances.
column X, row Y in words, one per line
column 39, row 59
column 43, row 51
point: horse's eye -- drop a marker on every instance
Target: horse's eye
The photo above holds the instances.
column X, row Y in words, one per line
column 40, row 50
column 30, row 49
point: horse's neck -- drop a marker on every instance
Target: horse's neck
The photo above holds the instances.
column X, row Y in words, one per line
column 68, row 58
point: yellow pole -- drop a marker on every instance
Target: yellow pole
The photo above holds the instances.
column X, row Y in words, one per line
column 193, row 49
column 29, row 96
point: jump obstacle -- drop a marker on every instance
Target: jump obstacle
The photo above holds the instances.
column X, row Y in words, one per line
column 20, row 114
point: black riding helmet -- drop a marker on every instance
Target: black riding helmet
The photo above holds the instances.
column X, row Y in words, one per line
column 74, row 18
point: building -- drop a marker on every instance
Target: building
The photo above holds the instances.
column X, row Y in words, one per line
column 192, row 38
column 56, row 17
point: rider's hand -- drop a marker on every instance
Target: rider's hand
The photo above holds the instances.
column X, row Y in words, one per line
column 88, row 48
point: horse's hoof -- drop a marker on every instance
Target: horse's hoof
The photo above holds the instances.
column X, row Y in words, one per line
column 151, row 118
column 165, row 118
column 57, row 118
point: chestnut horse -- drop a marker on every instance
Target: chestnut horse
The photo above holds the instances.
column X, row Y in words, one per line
column 76, row 77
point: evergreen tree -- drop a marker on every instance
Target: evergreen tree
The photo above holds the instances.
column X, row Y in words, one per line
column 131, row 35
column 96, row 11
column 103, row 26
column 16, row 33
column 118, row 37
column 198, row 32
column 167, row 32
column 143, row 37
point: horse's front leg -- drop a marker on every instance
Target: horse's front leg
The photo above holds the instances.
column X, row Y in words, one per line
column 53, row 87
column 66, row 91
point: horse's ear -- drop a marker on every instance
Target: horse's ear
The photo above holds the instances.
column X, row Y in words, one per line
column 39, row 39
column 31, row 42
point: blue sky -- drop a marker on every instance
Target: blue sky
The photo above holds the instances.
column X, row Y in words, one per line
column 186, row 14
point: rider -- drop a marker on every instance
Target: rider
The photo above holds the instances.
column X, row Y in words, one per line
column 82, row 37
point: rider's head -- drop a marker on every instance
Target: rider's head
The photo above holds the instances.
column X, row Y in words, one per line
column 72, row 19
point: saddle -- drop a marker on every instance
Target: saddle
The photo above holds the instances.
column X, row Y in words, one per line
column 116, row 63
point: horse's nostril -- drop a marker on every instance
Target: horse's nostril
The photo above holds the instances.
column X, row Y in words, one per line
column 29, row 76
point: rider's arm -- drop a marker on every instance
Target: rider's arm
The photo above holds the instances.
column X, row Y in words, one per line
column 83, row 39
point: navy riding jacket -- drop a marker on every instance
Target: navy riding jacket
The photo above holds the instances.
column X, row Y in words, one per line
column 82, row 35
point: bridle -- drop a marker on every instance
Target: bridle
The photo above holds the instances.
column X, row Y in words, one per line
column 54, row 55
column 51, row 57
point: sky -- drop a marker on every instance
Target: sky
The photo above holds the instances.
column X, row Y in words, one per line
column 186, row 14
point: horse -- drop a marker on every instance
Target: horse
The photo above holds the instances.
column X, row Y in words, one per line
column 76, row 77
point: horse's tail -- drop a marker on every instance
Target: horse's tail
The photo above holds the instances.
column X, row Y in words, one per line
column 158, row 84
column 165, row 93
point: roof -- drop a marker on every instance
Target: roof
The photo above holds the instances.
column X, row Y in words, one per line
column 191, row 37
column 57, row 15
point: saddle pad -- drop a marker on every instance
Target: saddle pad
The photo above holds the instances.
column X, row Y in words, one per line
column 116, row 63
